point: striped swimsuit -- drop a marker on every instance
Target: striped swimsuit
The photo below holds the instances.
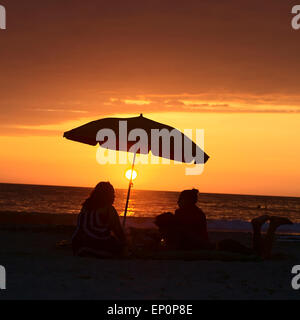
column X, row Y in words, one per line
column 93, row 232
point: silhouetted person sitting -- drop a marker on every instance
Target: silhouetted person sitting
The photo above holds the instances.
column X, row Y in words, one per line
column 99, row 230
column 187, row 229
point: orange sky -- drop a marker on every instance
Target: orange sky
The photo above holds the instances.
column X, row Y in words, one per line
column 230, row 70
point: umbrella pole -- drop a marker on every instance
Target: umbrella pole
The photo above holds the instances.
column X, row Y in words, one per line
column 129, row 188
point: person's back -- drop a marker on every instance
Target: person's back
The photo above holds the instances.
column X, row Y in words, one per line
column 192, row 222
column 187, row 229
column 99, row 223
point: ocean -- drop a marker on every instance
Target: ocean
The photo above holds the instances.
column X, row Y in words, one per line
column 223, row 211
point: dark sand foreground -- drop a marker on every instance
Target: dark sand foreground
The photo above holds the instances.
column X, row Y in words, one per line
column 38, row 268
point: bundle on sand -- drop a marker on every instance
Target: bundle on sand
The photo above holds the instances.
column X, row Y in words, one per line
column 146, row 244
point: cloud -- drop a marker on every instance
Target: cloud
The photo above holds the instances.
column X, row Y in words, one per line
column 64, row 61
column 59, row 110
column 137, row 102
column 34, row 113
column 209, row 102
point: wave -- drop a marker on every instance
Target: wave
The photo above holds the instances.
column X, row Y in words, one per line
column 218, row 225
column 245, row 226
column 15, row 217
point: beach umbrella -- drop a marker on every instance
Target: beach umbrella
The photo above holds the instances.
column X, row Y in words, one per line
column 89, row 134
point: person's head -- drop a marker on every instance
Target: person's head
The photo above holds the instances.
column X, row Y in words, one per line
column 188, row 198
column 103, row 195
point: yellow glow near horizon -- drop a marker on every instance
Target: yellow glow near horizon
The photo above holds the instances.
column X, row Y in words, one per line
column 128, row 174
column 249, row 154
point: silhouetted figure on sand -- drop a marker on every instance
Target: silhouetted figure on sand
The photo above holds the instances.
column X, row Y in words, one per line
column 187, row 229
column 99, row 230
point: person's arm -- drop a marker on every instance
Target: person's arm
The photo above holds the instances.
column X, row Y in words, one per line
column 116, row 226
column 203, row 224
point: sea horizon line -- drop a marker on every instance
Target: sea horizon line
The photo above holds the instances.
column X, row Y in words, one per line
column 154, row 190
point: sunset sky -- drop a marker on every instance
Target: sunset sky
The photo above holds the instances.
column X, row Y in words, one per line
column 228, row 67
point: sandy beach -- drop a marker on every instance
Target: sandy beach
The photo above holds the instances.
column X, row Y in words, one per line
column 39, row 266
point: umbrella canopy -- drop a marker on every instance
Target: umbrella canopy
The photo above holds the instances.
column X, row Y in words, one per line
column 173, row 147
column 87, row 134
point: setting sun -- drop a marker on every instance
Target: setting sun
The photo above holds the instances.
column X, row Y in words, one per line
column 128, row 174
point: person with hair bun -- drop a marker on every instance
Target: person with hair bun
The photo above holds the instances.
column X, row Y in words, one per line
column 187, row 228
